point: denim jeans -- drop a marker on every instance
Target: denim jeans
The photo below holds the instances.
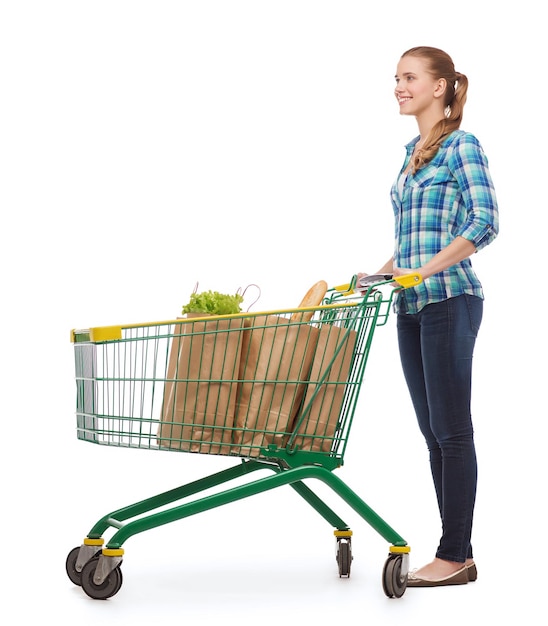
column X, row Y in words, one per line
column 436, row 347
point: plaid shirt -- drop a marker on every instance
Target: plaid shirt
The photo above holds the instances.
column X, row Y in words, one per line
column 451, row 196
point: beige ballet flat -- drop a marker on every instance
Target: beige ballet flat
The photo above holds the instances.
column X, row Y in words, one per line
column 460, row 577
column 472, row 571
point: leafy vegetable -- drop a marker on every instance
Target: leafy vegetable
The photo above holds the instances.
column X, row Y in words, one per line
column 214, row 303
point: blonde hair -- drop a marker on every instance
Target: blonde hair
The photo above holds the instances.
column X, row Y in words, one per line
column 440, row 65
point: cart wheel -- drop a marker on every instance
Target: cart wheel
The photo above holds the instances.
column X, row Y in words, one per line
column 344, row 558
column 74, row 575
column 107, row 589
column 393, row 583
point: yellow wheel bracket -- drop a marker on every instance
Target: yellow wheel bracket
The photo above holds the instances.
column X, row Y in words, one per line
column 113, row 552
column 93, row 542
column 342, row 533
column 400, row 549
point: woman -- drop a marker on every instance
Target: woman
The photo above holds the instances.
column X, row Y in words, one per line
column 445, row 210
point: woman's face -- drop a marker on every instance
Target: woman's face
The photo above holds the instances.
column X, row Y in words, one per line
column 416, row 90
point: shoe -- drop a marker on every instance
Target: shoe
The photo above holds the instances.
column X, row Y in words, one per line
column 472, row 571
column 460, row 577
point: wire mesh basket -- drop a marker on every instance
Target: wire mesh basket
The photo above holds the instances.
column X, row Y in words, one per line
column 278, row 384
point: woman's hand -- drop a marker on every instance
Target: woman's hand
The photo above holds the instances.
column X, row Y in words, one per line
column 361, row 289
column 401, row 271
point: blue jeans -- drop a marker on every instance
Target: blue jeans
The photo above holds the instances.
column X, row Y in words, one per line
column 436, row 347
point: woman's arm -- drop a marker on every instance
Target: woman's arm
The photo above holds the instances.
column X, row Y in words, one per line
column 469, row 166
column 458, row 250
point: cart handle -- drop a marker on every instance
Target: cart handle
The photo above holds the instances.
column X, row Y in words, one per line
column 406, row 281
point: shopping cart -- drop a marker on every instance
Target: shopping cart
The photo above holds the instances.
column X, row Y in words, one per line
column 276, row 389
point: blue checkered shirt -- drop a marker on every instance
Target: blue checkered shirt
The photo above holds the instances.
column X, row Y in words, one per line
column 450, row 196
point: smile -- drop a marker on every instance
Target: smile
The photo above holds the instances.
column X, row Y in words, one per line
column 403, row 100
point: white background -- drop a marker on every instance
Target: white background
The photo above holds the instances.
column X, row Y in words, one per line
column 146, row 146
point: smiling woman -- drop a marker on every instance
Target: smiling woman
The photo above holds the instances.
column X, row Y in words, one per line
column 445, row 210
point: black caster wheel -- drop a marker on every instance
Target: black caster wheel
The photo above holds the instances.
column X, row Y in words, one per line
column 74, row 575
column 108, row 588
column 344, row 558
column 394, row 582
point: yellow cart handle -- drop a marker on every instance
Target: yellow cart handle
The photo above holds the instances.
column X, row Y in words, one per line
column 406, row 281
column 409, row 280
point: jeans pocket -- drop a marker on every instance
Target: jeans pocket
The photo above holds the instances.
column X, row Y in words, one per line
column 475, row 312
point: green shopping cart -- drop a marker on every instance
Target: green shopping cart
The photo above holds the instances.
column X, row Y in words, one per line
column 276, row 390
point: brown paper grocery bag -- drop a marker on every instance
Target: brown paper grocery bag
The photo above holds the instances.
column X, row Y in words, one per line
column 276, row 358
column 201, row 384
column 320, row 422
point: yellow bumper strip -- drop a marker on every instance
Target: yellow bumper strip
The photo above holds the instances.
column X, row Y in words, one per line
column 105, row 333
column 99, row 334
column 344, row 289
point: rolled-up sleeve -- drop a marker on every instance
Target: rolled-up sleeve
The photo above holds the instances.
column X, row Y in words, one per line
column 470, row 168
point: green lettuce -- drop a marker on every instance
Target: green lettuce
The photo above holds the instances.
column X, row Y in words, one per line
column 213, row 303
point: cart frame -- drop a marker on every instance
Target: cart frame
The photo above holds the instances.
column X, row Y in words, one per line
column 95, row 564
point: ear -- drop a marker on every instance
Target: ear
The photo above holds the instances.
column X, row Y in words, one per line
column 440, row 88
